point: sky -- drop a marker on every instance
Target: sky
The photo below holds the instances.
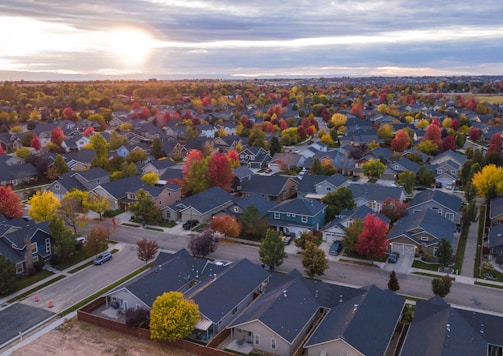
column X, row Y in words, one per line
column 172, row 39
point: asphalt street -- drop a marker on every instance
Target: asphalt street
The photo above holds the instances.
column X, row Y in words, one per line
column 14, row 319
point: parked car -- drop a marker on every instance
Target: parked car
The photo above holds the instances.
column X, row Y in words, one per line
column 335, row 248
column 355, row 177
column 288, row 237
column 421, row 188
column 80, row 240
column 438, row 185
column 102, row 258
column 268, row 170
column 393, row 257
column 190, row 224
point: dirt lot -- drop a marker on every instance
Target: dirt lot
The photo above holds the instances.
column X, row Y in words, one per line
column 79, row 338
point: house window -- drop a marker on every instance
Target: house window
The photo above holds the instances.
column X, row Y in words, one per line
column 19, row 267
column 449, row 216
column 373, row 204
column 277, row 215
column 304, row 219
column 288, row 214
column 235, row 310
column 293, row 215
column 57, row 186
column 137, row 306
column 273, row 344
column 424, row 238
column 494, row 350
column 435, row 250
column 329, row 189
column 439, row 171
column 453, row 172
column 34, row 247
column 236, row 209
column 257, row 339
column 132, row 196
column 47, row 246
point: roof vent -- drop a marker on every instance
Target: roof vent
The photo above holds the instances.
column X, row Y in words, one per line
column 340, row 298
column 448, row 326
column 316, row 295
column 481, row 328
column 284, row 293
column 355, row 307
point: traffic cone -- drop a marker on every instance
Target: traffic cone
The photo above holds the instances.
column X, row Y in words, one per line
column 50, row 305
column 36, row 298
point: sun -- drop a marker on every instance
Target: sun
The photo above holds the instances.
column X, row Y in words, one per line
column 131, row 47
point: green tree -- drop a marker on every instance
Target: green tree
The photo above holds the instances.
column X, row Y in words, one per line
column 393, row 284
column 444, row 252
column 136, row 156
column 305, row 237
column 98, row 204
column 60, row 165
column 145, row 207
column 373, row 168
column 150, row 178
column 7, row 276
column 407, row 180
column 43, row 205
column 441, row 286
column 157, row 151
column 275, row 146
column 257, row 137
column 64, row 242
column 272, row 249
column 252, row 224
column 337, row 201
column 116, row 140
column 352, row 232
column 23, row 152
column 425, row 176
column 314, row 260
column 173, row 317
column 99, row 144
column 97, row 240
column 316, row 168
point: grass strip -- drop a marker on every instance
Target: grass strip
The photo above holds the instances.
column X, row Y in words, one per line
column 33, row 290
column 154, row 229
column 130, row 225
column 488, row 285
column 87, row 264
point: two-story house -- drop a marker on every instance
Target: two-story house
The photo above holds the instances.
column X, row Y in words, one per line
column 297, row 215
column 254, row 157
column 444, row 204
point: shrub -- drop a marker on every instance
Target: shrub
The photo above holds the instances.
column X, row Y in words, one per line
column 136, row 317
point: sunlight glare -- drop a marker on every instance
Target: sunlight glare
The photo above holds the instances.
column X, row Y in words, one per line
column 131, row 47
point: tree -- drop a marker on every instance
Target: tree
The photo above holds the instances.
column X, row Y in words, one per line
column 272, row 249
column 226, row 224
column 385, row 132
column 327, row 167
column 220, row 172
column 173, row 317
column 316, row 168
column 428, row 147
column 60, row 165
column 495, row 143
column 394, row 209
column 441, row 286
column 252, row 224
column 150, row 178
column 98, row 204
column 97, row 240
column 372, row 240
column 203, row 244
column 136, row 156
column 407, row 180
column 35, row 143
column 474, row 134
column 116, row 141
column 157, row 151
column 10, row 204
column 444, row 252
column 448, row 143
column 425, row 176
column 7, row 276
column 57, row 136
column 275, row 146
column 393, row 284
column 43, row 205
column 71, row 208
column 400, row 142
column 145, row 207
column 337, row 201
column 433, row 134
column 305, row 237
column 64, row 242
column 314, row 261
column 146, row 249
column 373, row 168
column 195, row 172
column 489, row 182
column 23, row 152
column 352, row 232
column 257, row 137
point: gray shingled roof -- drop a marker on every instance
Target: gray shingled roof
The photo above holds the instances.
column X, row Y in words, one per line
column 120, row 187
column 371, row 191
column 206, row 200
column 266, row 185
column 258, row 201
column 496, row 236
column 449, row 201
column 496, row 208
column 307, row 207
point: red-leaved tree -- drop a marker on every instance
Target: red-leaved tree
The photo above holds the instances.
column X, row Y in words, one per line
column 401, row 141
column 68, row 113
column 372, row 240
column 220, row 171
column 448, row 143
column 10, row 204
column 57, row 136
column 233, row 155
column 394, row 209
column 495, row 143
column 35, row 142
column 226, row 224
column 357, row 109
column 474, row 134
column 87, row 132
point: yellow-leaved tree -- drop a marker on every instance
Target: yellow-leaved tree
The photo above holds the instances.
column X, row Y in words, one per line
column 489, row 182
column 43, row 205
column 172, row 317
column 150, row 178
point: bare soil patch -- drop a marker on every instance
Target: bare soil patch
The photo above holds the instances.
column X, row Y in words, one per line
column 79, row 338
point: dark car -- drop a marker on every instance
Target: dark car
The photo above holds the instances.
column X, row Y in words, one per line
column 335, row 248
column 393, row 257
column 190, row 224
column 102, row 258
column 355, row 177
column 421, row 188
column 438, row 185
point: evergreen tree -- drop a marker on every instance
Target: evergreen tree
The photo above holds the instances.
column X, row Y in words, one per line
column 157, row 150
column 60, row 164
column 444, row 252
column 316, row 168
column 393, row 284
column 7, row 276
column 275, row 146
column 441, row 286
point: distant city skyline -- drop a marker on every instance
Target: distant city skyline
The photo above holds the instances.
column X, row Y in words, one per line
column 140, row 39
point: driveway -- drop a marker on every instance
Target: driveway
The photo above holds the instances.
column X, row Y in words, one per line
column 14, row 320
column 403, row 264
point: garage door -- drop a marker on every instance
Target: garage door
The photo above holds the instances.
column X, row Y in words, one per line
column 404, row 249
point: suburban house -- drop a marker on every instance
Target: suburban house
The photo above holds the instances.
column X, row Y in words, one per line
column 263, row 205
column 82, row 180
column 495, row 240
column 286, row 160
column 297, row 215
column 157, row 166
column 444, row 204
column 275, row 187
column 200, row 206
column 420, row 233
column 403, row 165
column 374, row 196
column 362, row 325
column 440, row 329
column 446, row 167
column 18, row 235
column 17, row 174
column 254, row 157
column 80, row 160
column 496, row 211
column 242, row 175
column 316, row 187
column 122, row 192
column 221, row 292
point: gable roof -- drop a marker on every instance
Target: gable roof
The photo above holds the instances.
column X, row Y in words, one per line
column 449, row 201
column 266, row 185
column 258, row 201
column 206, row 200
column 306, row 207
column 370, row 191
column 496, row 207
column 309, row 181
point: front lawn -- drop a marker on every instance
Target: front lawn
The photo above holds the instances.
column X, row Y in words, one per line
column 27, row 281
column 354, row 254
column 77, row 257
column 426, row 266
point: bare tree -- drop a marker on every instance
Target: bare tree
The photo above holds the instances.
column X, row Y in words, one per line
column 146, row 249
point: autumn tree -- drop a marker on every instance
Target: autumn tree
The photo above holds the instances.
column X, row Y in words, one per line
column 474, row 134
column 373, row 168
column 64, row 242
column 257, row 137
column 157, row 151
column 173, row 317
column 116, row 140
column 98, row 204
column 407, row 180
column 43, row 205
column 385, row 132
column 305, row 237
column 400, row 142
column 136, row 156
column 314, row 260
column 338, row 121
column 394, row 209
column 71, row 208
column 272, row 249
column 252, row 224
column 10, row 204
column 8, row 276
column 145, row 208
column 57, row 136
column 146, row 249
column 495, row 143
column 220, row 171
column 327, row 167
column 202, row 244
column 444, row 252
column 352, row 232
column 393, row 284
column 60, row 165
column 97, row 240
column 195, row 172
column 337, row 201
column 441, row 286
column 150, row 178
column 489, row 182
column 372, row 240
column 35, row 143
column 226, row 224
